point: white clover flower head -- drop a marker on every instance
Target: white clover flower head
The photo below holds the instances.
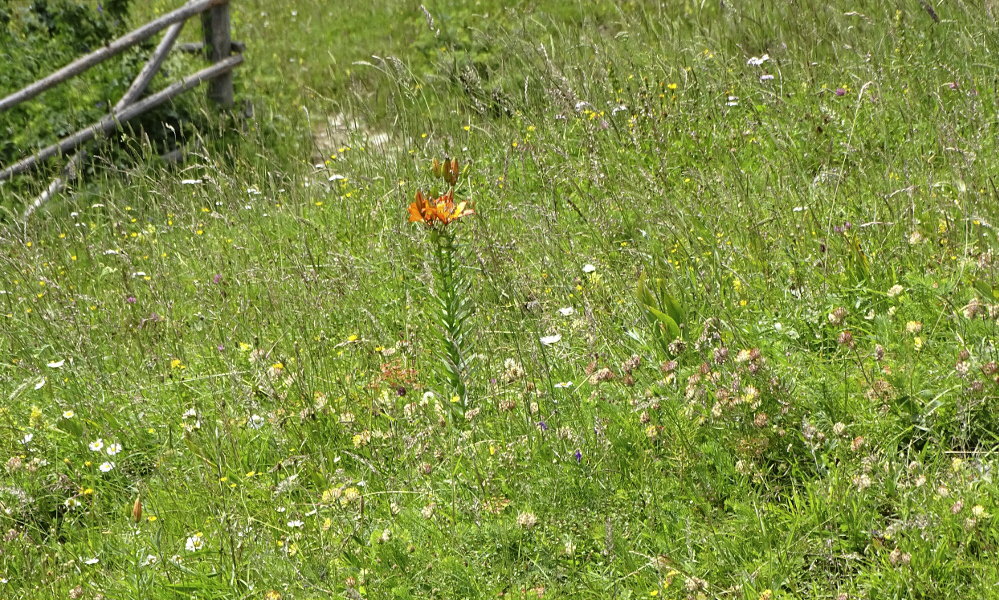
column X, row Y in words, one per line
column 526, row 520
column 255, row 422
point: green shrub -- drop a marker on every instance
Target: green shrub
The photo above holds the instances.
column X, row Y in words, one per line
column 42, row 36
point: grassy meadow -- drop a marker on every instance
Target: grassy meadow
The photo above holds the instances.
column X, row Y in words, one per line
column 727, row 314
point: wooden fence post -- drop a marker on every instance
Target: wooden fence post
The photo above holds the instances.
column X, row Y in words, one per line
column 218, row 47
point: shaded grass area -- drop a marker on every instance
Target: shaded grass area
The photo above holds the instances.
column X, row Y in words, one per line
column 253, row 327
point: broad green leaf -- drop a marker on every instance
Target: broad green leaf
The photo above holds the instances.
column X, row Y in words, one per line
column 672, row 330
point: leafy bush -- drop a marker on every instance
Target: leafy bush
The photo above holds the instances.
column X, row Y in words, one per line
column 45, row 35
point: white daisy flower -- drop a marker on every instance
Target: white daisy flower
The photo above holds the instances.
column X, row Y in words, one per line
column 113, row 449
column 548, row 340
column 106, row 466
column 97, row 445
column 195, row 542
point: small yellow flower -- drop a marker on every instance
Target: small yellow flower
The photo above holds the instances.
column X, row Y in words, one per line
column 349, row 496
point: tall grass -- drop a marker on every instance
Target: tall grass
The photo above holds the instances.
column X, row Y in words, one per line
column 252, row 326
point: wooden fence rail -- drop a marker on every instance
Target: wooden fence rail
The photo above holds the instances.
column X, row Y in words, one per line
column 114, row 48
column 218, row 47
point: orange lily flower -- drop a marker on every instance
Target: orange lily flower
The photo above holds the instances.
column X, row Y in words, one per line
column 420, row 209
column 441, row 210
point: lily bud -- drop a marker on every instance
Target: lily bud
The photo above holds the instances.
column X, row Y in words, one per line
column 452, row 171
column 137, row 510
column 437, row 168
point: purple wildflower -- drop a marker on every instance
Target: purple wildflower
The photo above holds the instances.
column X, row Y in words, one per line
column 218, row 278
column 542, row 426
column 130, row 300
column 840, row 92
column 579, row 456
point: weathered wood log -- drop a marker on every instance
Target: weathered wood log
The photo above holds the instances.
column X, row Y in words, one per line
column 145, row 76
column 218, row 46
column 111, row 122
column 118, row 46
column 69, row 173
